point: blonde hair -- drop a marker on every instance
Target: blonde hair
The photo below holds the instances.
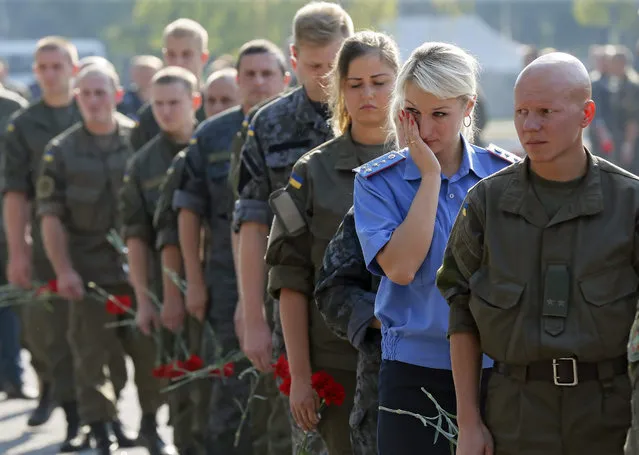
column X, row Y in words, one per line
column 443, row 70
column 173, row 74
column 57, row 43
column 187, row 28
column 321, row 23
column 361, row 44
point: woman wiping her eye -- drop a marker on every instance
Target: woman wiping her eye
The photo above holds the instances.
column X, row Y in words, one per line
column 405, row 205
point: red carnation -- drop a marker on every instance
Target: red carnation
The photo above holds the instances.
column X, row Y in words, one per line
column 175, row 370
column 285, row 386
column 281, row 369
column 159, row 371
column 50, row 287
column 118, row 304
column 193, row 363
column 320, row 380
column 334, row 394
column 227, row 371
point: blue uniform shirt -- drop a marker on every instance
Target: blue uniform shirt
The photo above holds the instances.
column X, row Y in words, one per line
column 414, row 317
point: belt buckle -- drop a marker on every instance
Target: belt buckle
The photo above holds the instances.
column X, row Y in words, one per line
column 555, row 372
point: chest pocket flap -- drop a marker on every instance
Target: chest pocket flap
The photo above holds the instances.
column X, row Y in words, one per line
column 495, row 289
column 610, row 285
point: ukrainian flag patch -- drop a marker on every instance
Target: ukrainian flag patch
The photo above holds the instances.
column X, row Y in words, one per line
column 10, row 128
column 250, row 131
column 295, row 181
column 48, row 156
column 464, row 212
column 193, row 141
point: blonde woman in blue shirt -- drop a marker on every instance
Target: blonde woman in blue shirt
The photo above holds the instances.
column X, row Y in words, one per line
column 405, row 205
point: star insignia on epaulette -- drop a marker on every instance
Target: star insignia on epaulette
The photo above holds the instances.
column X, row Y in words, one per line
column 379, row 164
column 503, row 154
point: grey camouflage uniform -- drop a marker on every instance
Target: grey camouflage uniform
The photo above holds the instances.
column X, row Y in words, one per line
column 345, row 295
column 279, row 134
column 205, row 191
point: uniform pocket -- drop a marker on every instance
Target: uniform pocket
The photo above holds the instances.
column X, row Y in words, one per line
column 611, row 295
column 86, row 213
column 494, row 303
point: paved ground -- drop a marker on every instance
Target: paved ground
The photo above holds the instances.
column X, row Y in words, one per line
column 18, row 439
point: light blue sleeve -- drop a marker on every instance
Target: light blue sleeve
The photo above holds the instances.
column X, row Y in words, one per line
column 376, row 217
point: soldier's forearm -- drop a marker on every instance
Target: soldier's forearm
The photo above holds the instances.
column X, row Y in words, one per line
column 252, row 276
column 235, row 247
column 171, row 260
column 465, row 356
column 54, row 237
column 16, row 215
column 189, row 232
column 138, row 254
column 294, row 315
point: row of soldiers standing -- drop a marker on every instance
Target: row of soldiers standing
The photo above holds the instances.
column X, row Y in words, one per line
column 70, row 173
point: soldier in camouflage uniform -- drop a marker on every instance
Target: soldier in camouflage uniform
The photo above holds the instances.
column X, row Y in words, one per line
column 26, row 136
column 345, row 295
column 541, row 273
column 205, row 193
column 174, row 97
column 279, row 134
column 309, row 210
column 11, row 374
column 185, row 45
column 76, row 192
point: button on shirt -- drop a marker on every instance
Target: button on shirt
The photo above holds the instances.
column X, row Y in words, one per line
column 414, row 317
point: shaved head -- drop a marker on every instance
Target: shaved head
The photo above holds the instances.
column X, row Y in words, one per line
column 552, row 108
column 562, row 73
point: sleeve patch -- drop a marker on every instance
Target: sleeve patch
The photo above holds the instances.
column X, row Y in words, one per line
column 287, row 212
column 379, row 164
column 295, row 181
column 48, row 156
column 10, row 127
column 45, row 187
column 503, row 154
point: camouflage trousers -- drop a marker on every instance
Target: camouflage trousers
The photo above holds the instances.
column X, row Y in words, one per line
column 225, row 414
column 189, row 403
column 92, row 343
column 45, row 329
column 363, row 418
column 632, row 439
column 314, row 442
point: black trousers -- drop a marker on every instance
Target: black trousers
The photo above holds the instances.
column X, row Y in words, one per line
column 400, row 387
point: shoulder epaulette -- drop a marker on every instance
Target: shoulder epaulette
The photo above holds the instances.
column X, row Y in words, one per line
column 503, row 154
column 386, row 161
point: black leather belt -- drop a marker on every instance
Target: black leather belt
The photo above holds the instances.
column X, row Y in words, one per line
column 565, row 371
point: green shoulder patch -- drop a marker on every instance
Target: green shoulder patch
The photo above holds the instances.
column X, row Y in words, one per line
column 45, row 187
